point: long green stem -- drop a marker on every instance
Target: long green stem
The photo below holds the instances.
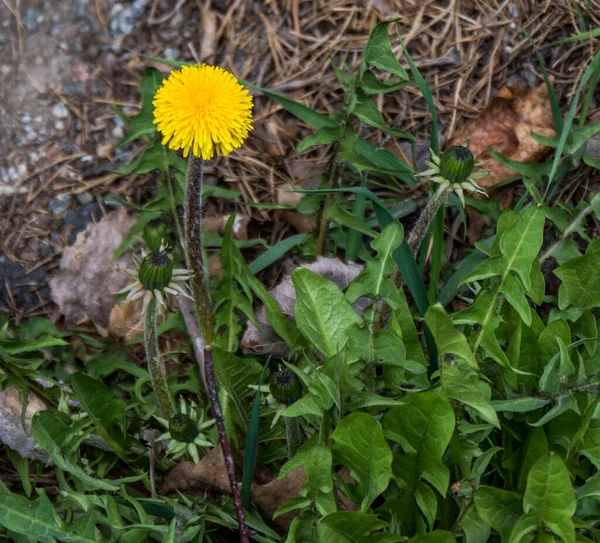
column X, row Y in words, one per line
column 156, row 368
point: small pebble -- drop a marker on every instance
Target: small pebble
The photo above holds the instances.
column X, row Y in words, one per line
column 111, row 203
column 59, row 125
column 87, row 158
column 60, row 111
column 59, row 205
column 171, row 53
column 25, row 119
column 84, row 198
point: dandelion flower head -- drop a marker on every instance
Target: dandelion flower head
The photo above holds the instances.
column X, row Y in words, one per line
column 203, row 109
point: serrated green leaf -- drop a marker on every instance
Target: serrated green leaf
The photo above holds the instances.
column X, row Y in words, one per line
column 448, row 339
column 348, row 527
column 469, row 390
column 367, row 112
column 423, row 427
column 105, row 409
column 51, row 431
column 360, row 446
column 236, row 375
column 36, row 519
column 580, row 280
column 143, row 123
column 374, row 280
column 323, row 136
column 322, row 313
column 378, row 52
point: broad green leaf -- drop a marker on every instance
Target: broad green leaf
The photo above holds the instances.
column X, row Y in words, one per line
column 378, row 52
column 374, row 280
column 499, row 508
column 476, row 530
column 51, row 431
column 580, row 280
column 534, row 448
column 348, row 527
column 36, row 519
column 317, row 467
column 360, row 446
column 370, row 84
column 20, row 346
column 427, row 502
column 550, row 497
column 423, row 427
column 523, row 404
column 322, row 313
column 105, row 409
column 590, row 447
column 448, row 339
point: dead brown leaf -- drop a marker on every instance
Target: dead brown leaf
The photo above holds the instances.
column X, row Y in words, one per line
column 12, row 432
column 216, row 225
column 126, row 320
column 210, row 474
column 84, row 286
column 505, row 126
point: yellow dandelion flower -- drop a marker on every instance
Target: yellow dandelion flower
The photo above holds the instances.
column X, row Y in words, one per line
column 203, row 109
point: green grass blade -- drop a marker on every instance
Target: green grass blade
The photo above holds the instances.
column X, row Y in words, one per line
column 589, row 73
column 556, row 115
column 275, row 252
column 578, row 37
column 252, row 444
column 466, row 268
column 426, row 92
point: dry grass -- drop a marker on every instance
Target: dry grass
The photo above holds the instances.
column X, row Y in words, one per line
column 466, row 50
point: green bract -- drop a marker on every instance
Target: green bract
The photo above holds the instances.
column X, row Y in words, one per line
column 183, row 428
column 285, row 387
column 456, row 164
column 156, row 271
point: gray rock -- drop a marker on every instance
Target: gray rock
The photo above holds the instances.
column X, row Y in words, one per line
column 59, row 205
column 31, row 19
column 171, row 53
column 60, row 111
column 123, row 19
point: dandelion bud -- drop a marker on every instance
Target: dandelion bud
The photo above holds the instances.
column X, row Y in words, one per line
column 456, row 164
column 182, row 428
column 154, row 233
column 155, row 271
column 285, row 387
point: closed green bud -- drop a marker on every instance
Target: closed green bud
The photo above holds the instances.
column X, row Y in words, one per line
column 154, row 234
column 182, row 428
column 457, row 164
column 155, row 271
column 285, row 387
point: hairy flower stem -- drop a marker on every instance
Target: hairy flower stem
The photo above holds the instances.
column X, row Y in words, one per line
column 293, row 436
column 156, row 368
column 419, row 230
column 194, row 255
column 229, row 465
column 326, row 202
column 206, row 321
